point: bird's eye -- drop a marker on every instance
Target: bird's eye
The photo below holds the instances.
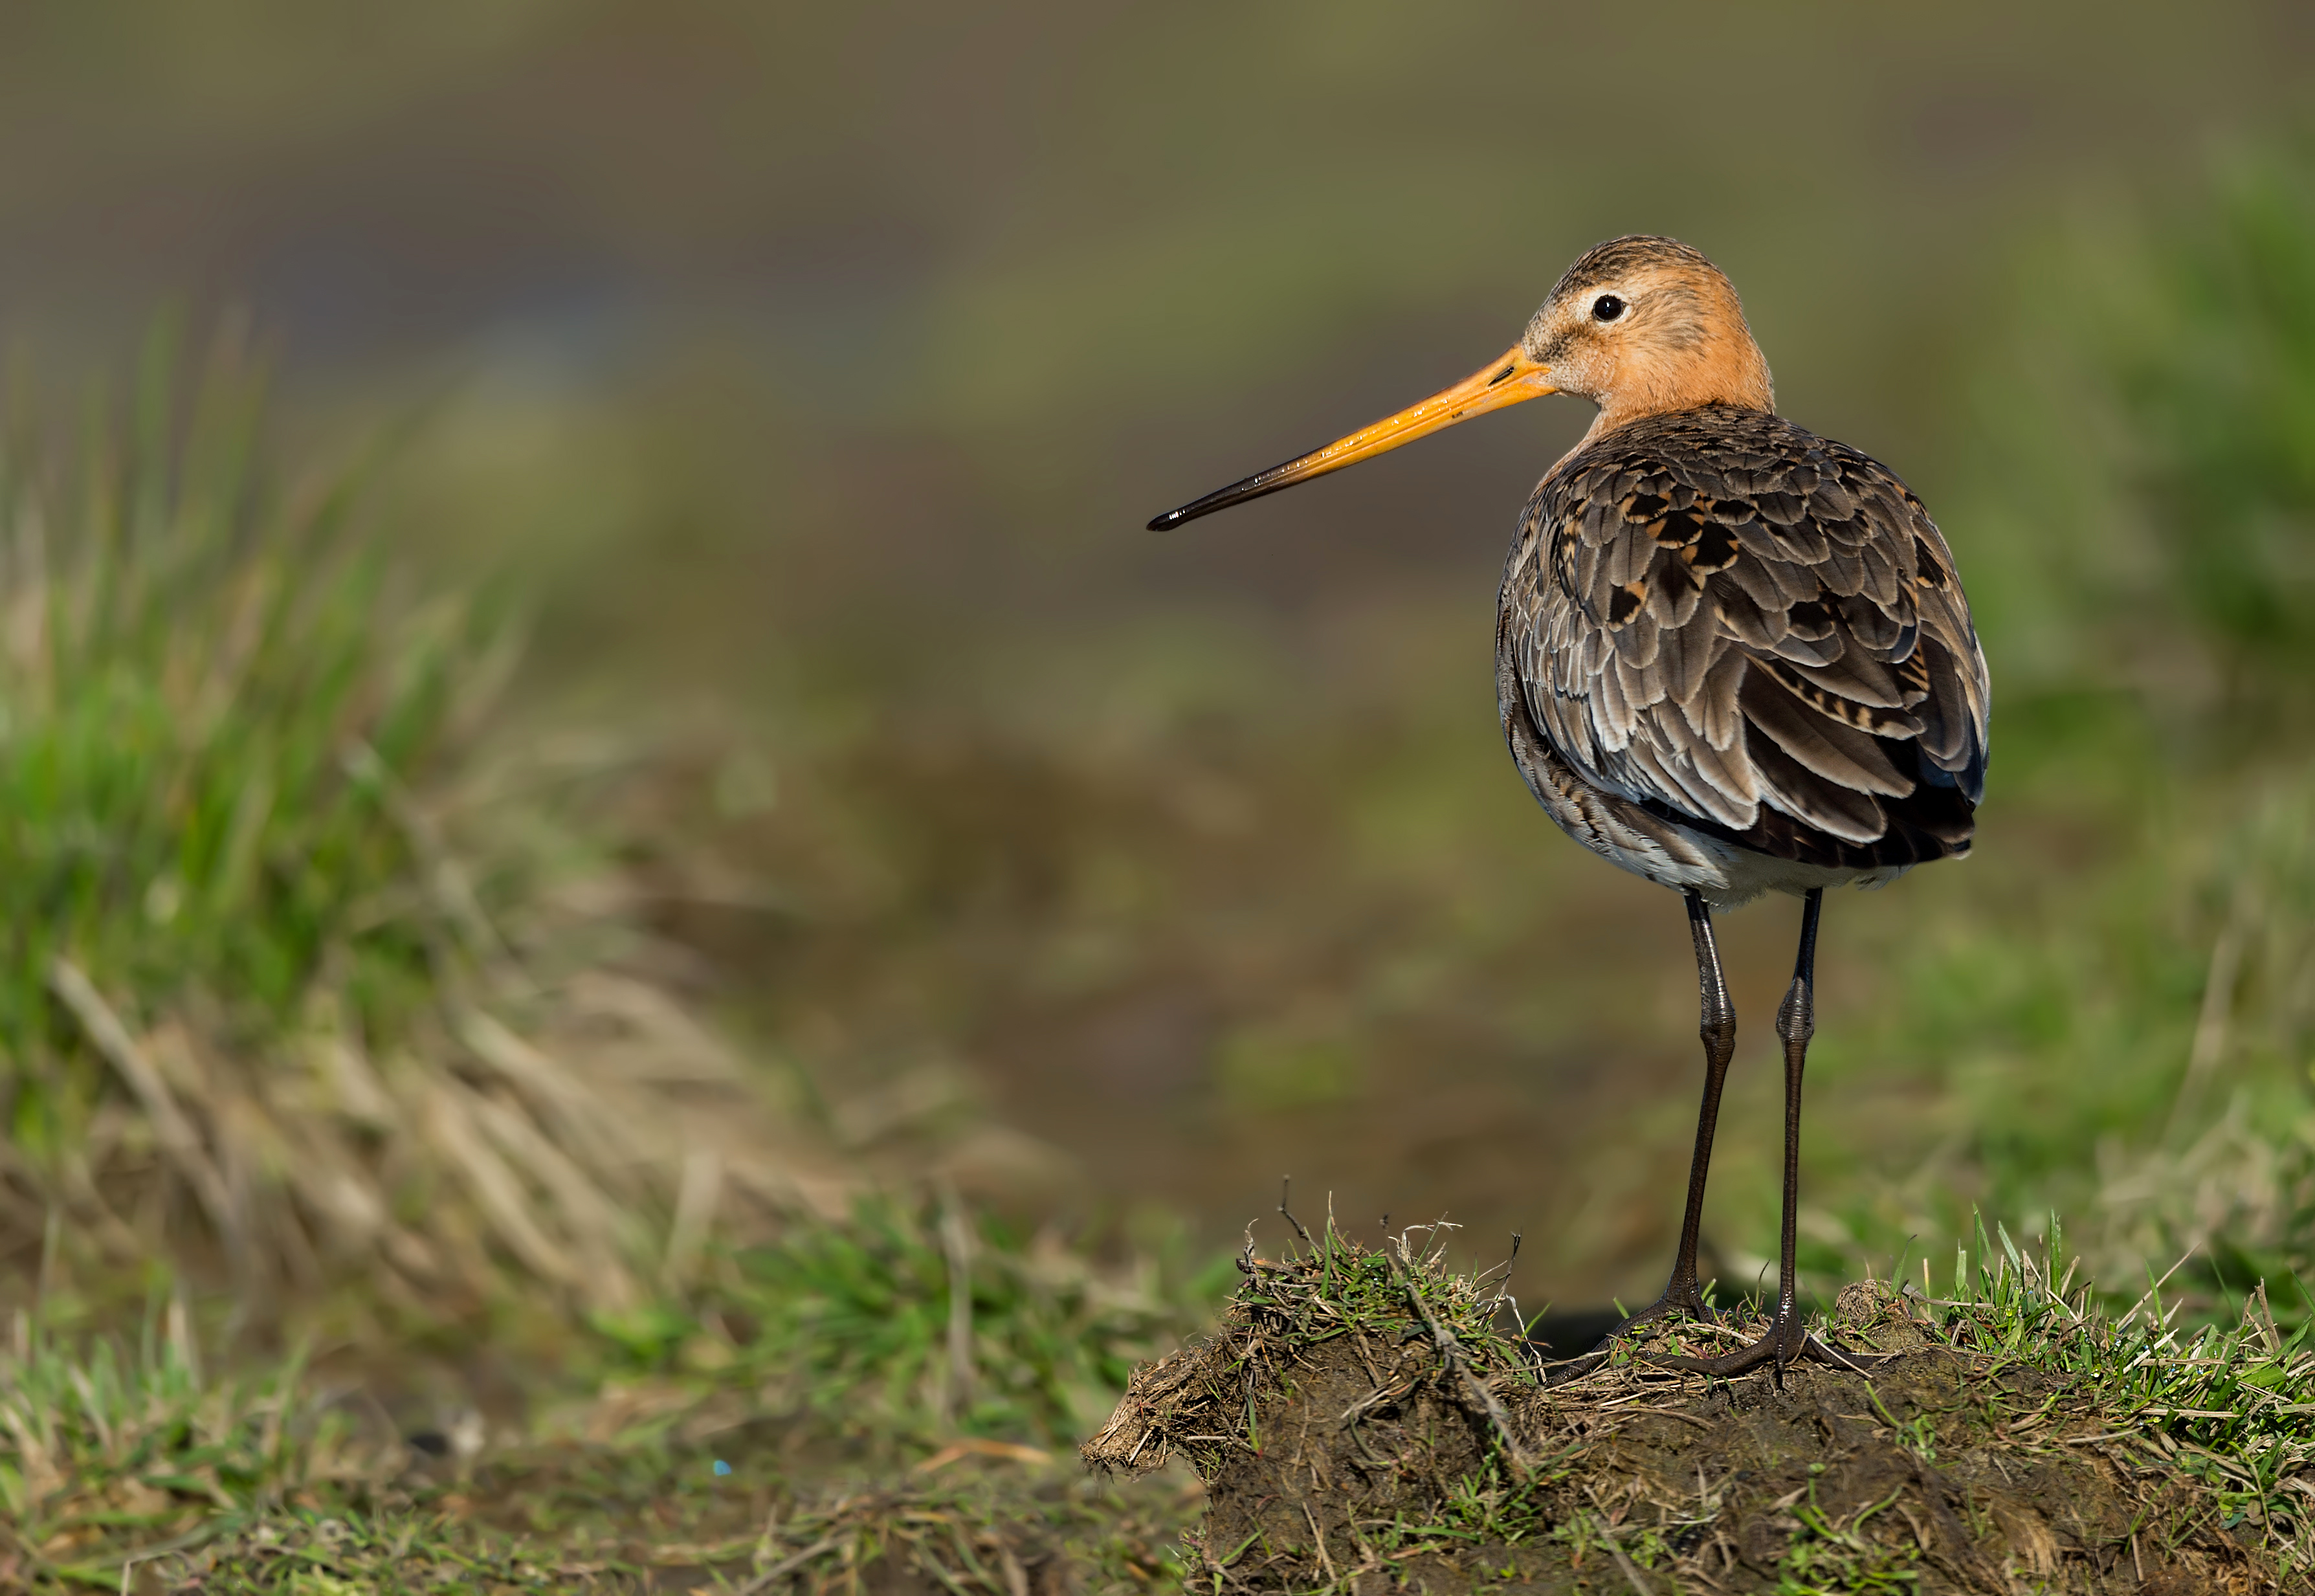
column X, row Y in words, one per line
column 1607, row 307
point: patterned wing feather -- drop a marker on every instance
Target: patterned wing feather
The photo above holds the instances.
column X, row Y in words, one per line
column 1747, row 628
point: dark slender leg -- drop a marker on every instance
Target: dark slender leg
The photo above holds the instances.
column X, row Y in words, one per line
column 1716, row 1024
column 1787, row 1341
column 1795, row 1024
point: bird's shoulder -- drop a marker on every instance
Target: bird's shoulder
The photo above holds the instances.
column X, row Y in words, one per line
column 1736, row 468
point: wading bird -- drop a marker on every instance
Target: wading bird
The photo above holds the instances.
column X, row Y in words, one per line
column 1732, row 656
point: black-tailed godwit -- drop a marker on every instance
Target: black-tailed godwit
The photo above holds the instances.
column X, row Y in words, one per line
column 1732, row 656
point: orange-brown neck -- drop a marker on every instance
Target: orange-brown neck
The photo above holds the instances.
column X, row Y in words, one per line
column 1721, row 365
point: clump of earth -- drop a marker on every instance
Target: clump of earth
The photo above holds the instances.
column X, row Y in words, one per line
column 1361, row 1425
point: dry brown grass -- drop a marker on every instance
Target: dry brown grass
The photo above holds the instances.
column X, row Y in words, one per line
column 327, row 980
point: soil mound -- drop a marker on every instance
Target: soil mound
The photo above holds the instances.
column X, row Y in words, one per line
column 1361, row 1424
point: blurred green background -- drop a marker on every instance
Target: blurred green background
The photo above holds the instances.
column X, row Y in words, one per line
column 805, row 376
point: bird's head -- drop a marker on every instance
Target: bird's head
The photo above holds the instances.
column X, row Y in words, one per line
column 1643, row 326
column 1638, row 325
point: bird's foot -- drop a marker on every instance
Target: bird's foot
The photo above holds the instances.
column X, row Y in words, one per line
column 1679, row 1302
column 1787, row 1343
column 1680, row 1299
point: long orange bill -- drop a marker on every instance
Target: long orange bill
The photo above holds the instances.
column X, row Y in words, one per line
column 1512, row 380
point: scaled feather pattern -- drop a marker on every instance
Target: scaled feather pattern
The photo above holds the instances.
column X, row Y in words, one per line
column 1740, row 627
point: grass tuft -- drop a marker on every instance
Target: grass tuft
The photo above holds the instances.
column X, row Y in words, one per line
column 824, row 1445
column 856, row 1324
column 113, row 1451
column 288, row 1007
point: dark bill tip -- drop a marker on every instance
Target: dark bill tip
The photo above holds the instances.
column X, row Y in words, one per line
column 1191, row 511
column 1238, row 493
